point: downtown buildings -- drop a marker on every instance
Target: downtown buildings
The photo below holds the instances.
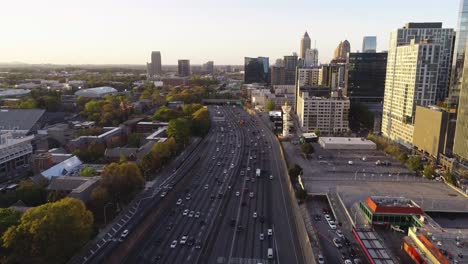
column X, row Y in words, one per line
column 154, row 68
column 369, row 44
column 184, row 68
column 417, row 73
column 459, row 54
column 305, row 45
column 256, row 70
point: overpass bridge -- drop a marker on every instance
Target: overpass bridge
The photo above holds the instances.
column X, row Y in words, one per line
column 222, row 101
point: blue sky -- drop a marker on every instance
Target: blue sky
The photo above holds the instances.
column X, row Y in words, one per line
column 117, row 31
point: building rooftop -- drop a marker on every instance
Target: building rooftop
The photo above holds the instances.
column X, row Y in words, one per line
column 372, row 246
column 64, row 168
column 19, row 119
column 393, row 205
column 13, row 92
column 96, row 92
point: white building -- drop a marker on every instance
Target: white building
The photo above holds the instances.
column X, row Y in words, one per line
column 308, row 76
column 97, row 92
column 14, row 154
column 413, row 78
column 311, row 58
column 327, row 114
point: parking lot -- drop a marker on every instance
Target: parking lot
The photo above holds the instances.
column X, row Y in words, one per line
column 344, row 247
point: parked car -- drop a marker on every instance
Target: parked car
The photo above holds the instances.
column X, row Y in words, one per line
column 337, row 242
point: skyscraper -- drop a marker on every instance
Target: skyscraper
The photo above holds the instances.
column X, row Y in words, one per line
column 342, row 50
column 365, row 77
column 154, row 68
column 417, row 74
column 460, row 146
column 256, row 70
column 459, row 53
column 184, row 68
column 369, row 44
column 208, row 67
column 311, row 58
column 305, row 45
column 277, row 75
column 290, row 64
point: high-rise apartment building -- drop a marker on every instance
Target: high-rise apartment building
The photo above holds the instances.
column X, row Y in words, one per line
column 411, row 80
column 459, row 53
column 277, row 75
column 417, row 74
column 460, row 147
column 328, row 114
column 305, row 45
column 365, row 77
column 208, row 67
column 311, row 58
column 154, row 68
column 256, row 70
column 308, row 77
column 290, row 64
column 369, row 44
column 184, row 68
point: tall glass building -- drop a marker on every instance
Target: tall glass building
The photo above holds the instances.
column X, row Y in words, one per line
column 256, row 70
column 369, row 44
column 459, row 53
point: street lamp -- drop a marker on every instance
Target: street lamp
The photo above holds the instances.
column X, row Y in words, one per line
column 105, row 215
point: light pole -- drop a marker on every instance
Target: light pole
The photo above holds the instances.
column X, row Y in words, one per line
column 105, row 215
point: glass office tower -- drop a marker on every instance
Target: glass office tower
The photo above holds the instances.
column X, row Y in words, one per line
column 459, row 53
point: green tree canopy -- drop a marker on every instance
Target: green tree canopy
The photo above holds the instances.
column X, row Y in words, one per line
column 88, row 171
column 307, row 148
column 180, row 130
column 50, row 233
column 415, row 163
column 31, row 194
column 8, row 218
column 294, row 171
column 317, row 132
column 270, row 105
column 429, row 171
column 201, row 122
column 166, row 114
column 121, row 180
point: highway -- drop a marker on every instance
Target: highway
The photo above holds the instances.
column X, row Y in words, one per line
column 238, row 238
column 218, row 207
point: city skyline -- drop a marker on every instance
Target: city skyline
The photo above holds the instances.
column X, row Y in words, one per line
column 63, row 33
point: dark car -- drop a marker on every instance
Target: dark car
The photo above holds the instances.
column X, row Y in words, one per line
column 239, row 228
column 317, row 217
column 233, row 222
column 262, row 219
column 352, row 253
column 346, row 241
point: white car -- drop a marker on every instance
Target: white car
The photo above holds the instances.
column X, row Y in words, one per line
column 321, row 260
column 237, row 193
column 347, row 261
column 197, row 214
column 213, row 157
column 185, row 212
column 232, row 165
column 191, row 214
column 270, row 232
column 327, row 217
column 174, row 244
column 248, row 168
column 332, row 225
column 254, row 215
column 183, row 240
column 179, row 202
column 123, row 235
column 163, row 194
column 251, row 194
column 350, row 162
column 206, row 186
column 219, row 163
column 271, row 177
column 262, row 236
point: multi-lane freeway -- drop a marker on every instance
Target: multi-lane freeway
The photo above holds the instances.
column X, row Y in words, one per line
column 229, row 203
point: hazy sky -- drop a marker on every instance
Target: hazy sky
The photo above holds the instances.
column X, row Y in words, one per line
column 225, row 31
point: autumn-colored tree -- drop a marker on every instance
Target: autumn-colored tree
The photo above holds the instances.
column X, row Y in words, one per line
column 121, row 180
column 50, row 233
column 8, row 218
column 180, row 130
column 201, row 122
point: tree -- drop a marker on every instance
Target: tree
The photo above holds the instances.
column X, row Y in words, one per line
column 317, row 132
column 429, row 171
column 294, row 171
column 415, row 163
column 8, row 218
column 50, row 233
column 179, row 129
column 189, row 109
column 307, row 149
column 449, row 177
column 31, row 194
column 121, row 180
column 88, row 171
column 270, row 105
column 92, row 152
column 201, row 122
column 166, row 114
column 99, row 197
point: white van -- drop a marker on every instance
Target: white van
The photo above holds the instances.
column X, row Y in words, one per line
column 270, row 253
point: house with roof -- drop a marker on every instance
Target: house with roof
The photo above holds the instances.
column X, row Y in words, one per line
column 73, row 186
